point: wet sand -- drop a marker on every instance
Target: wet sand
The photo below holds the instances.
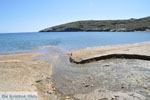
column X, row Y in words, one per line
column 105, row 79
column 113, row 79
column 54, row 77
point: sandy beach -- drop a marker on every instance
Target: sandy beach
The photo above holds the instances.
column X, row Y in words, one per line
column 23, row 73
column 105, row 79
column 134, row 51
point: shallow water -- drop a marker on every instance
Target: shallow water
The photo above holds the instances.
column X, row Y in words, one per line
column 108, row 75
column 27, row 42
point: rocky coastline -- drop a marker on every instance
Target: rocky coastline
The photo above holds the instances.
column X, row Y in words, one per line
column 129, row 25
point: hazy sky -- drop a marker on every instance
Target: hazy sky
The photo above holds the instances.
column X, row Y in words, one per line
column 34, row 15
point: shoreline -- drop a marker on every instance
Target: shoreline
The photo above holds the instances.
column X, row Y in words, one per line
column 30, row 72
column 39, row 48
column 112, row 79
column 127, row 51
column 94, row 31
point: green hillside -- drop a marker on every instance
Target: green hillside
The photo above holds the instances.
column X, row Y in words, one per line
column 130, row 25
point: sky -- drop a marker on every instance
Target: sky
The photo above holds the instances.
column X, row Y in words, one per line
column 34, row 15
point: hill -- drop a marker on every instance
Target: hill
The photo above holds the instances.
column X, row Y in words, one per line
column 130, row 25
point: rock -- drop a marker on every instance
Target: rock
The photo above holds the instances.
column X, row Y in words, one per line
column 67, row 97
column 38, row 81
column 87, row 85
column 103, row 99
column 49, row 92
column 106, row 65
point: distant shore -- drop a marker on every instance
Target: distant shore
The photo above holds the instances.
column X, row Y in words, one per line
column 129, row 25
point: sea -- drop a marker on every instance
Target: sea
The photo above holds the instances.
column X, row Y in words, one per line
column 34, row 41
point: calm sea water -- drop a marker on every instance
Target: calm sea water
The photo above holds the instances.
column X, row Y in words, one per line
column 27, row 42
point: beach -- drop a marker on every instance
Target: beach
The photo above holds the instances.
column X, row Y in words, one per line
column 134, row 51
column 54, row 77
column 23, row 73
column 75, row 50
